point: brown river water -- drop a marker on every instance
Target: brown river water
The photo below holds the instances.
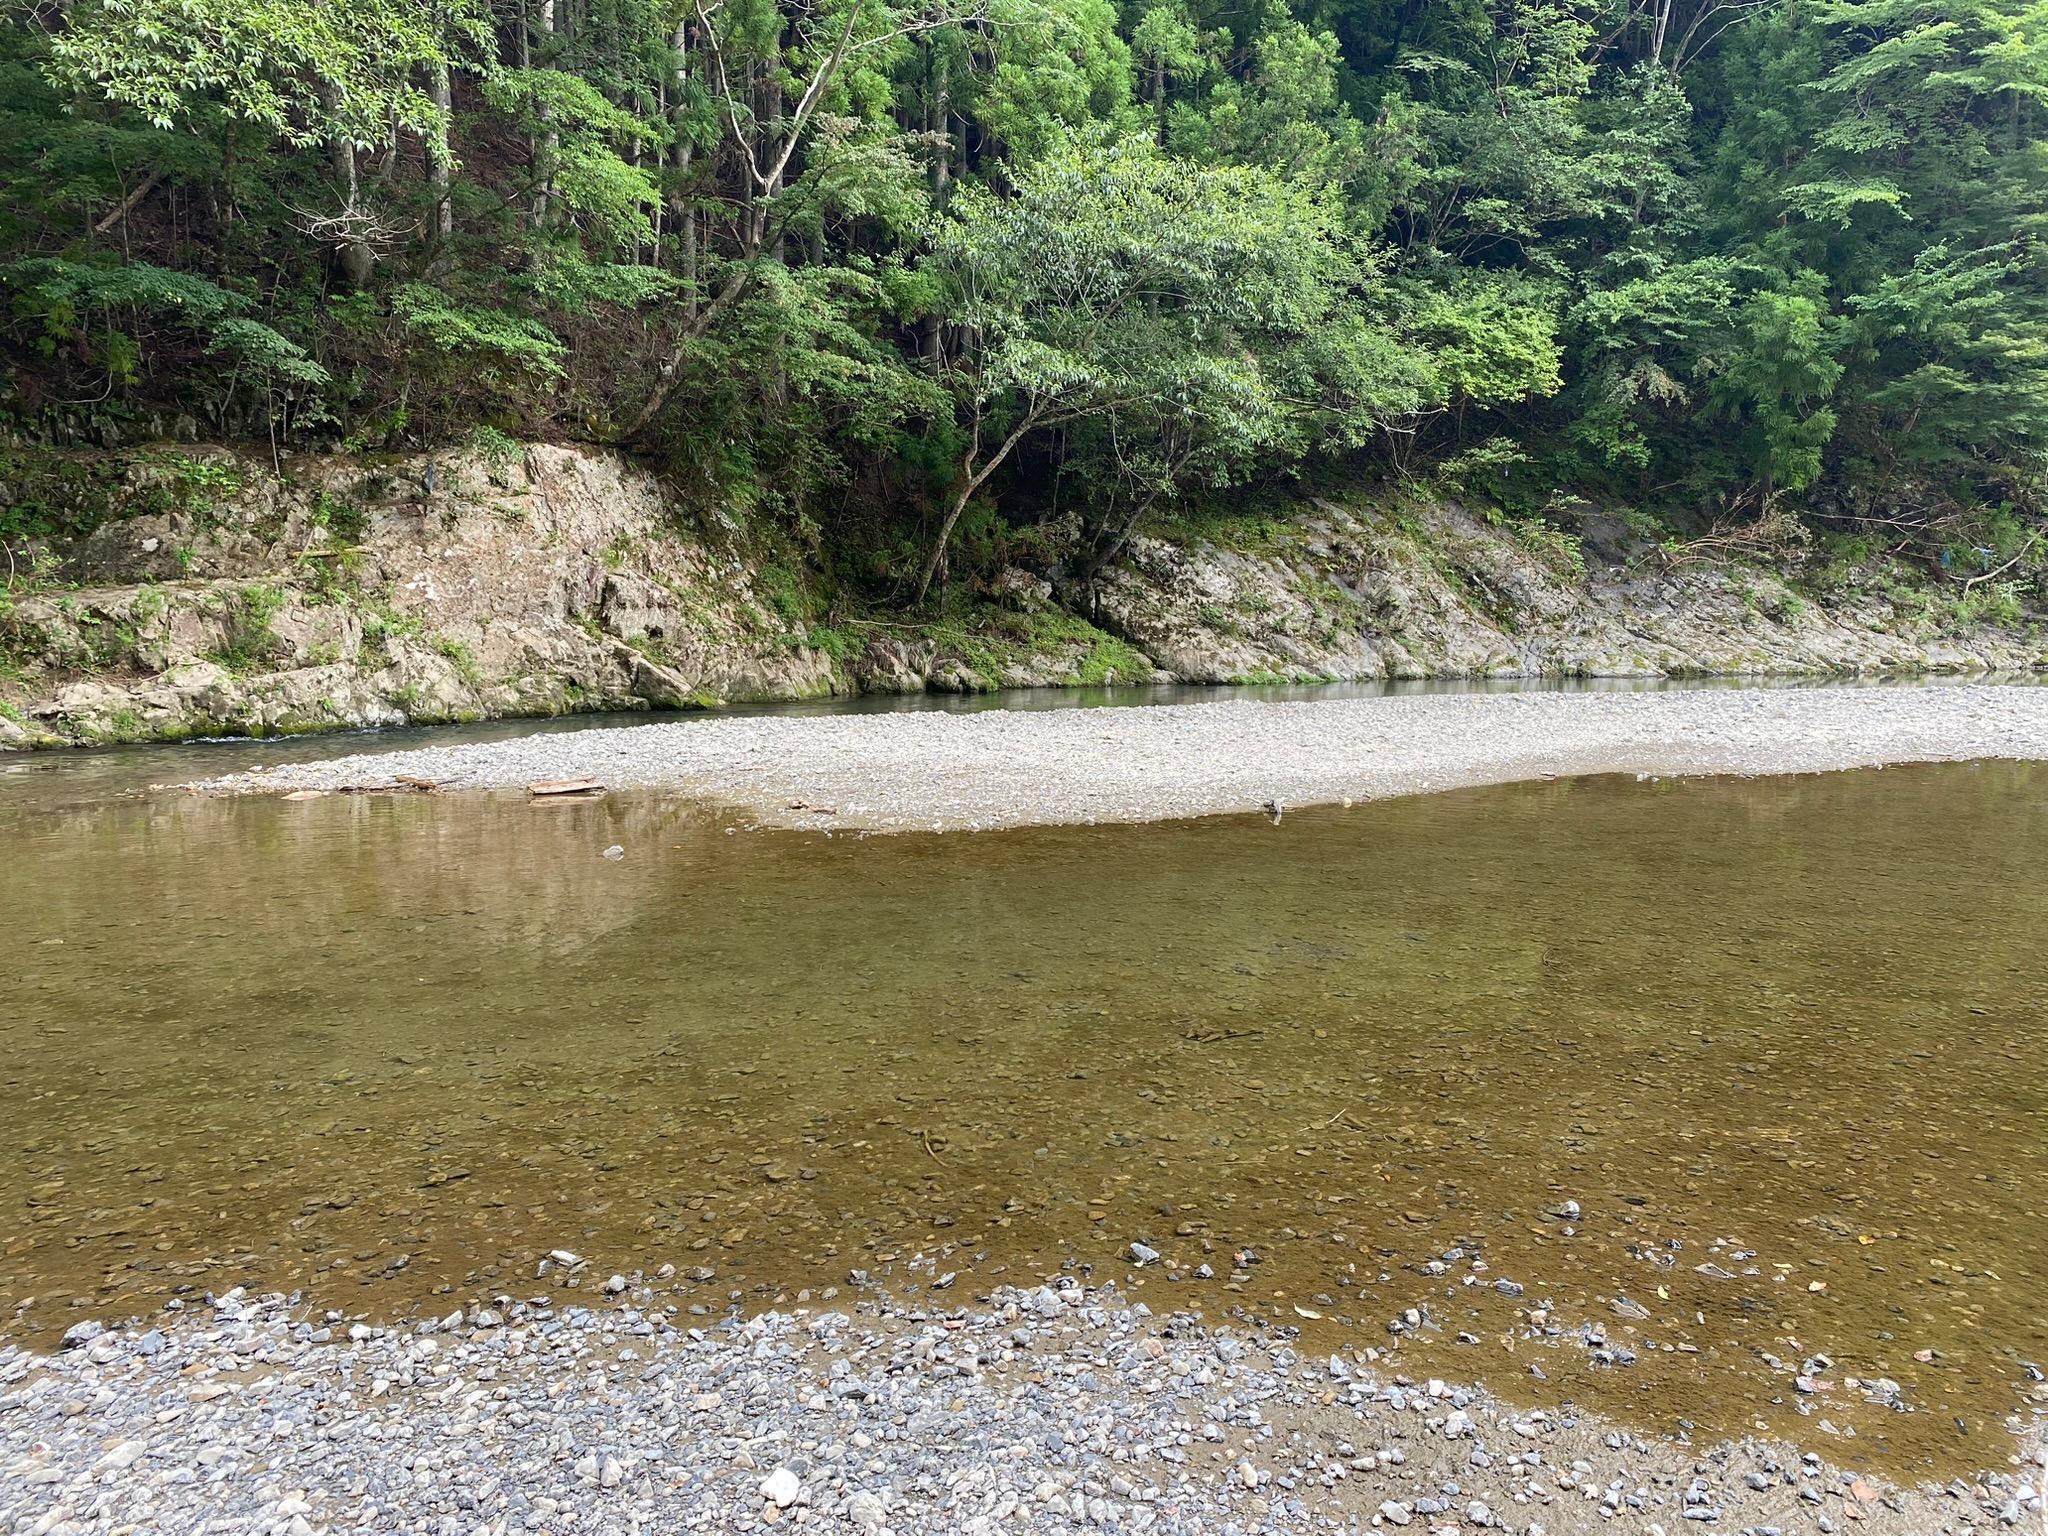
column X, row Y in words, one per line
column 1782, row 1041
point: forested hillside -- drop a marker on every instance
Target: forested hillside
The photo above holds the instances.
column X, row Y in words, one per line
column 933, row 282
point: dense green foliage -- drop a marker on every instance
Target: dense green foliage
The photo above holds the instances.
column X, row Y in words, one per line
column 909, row 273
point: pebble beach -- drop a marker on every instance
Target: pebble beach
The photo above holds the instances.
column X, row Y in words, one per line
column 1060, row 1408
column 946, row 772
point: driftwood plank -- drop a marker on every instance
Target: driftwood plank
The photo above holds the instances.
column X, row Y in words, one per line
column 553, row 787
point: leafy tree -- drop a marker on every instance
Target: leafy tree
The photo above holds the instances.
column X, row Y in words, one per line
column 1773, row 385
column 929, row 255
column 1198, row 316
column 772, row 74
column 1287, row 115
column 1168, row 47
column 305, row 72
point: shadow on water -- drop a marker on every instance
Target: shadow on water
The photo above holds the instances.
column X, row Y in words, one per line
column 1780, row 1039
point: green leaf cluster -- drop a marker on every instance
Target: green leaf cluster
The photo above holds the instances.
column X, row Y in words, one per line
column 890, row 268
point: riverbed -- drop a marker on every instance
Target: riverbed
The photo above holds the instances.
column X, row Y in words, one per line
column 1709, row 1105
column 937, row 771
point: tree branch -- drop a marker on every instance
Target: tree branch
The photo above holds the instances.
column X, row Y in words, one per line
column 127, row 204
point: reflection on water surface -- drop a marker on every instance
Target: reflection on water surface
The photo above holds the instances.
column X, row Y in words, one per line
column 1780, row 1040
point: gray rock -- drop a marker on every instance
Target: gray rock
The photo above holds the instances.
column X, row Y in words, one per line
column 997, row 1416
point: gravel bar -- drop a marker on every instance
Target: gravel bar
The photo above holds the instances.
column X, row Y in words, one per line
column 1054, row 1409
column 996, row 768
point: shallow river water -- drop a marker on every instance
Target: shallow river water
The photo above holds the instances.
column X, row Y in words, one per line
column 1781, row 1041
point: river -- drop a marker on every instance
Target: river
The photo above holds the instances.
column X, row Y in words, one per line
column 1693, row 1102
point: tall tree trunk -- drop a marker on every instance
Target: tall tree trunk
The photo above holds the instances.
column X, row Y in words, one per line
column 972, row 478
column 549, row 145
column 660, row 170
column 692, row 301
column 439, row 159
column 773, row 105
column 938, row 117
column 750, row 154
column 387, row 163
column 680, row 203
column 354, row 258
column 942, row 94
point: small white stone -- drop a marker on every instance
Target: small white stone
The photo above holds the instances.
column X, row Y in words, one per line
column 122, row 1456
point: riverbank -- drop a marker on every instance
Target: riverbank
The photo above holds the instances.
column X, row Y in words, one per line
column 949, row 772
column 1060, row 1408
column 208, row 592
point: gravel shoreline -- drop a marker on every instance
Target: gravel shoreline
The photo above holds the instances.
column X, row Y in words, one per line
column 940, row 771
column 1056, row 1409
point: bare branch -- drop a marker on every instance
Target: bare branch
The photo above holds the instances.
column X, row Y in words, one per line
column 127, row 204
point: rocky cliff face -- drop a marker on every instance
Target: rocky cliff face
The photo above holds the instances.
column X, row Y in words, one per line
column 447, row 589
column 1429, row 590
column 222, row 598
